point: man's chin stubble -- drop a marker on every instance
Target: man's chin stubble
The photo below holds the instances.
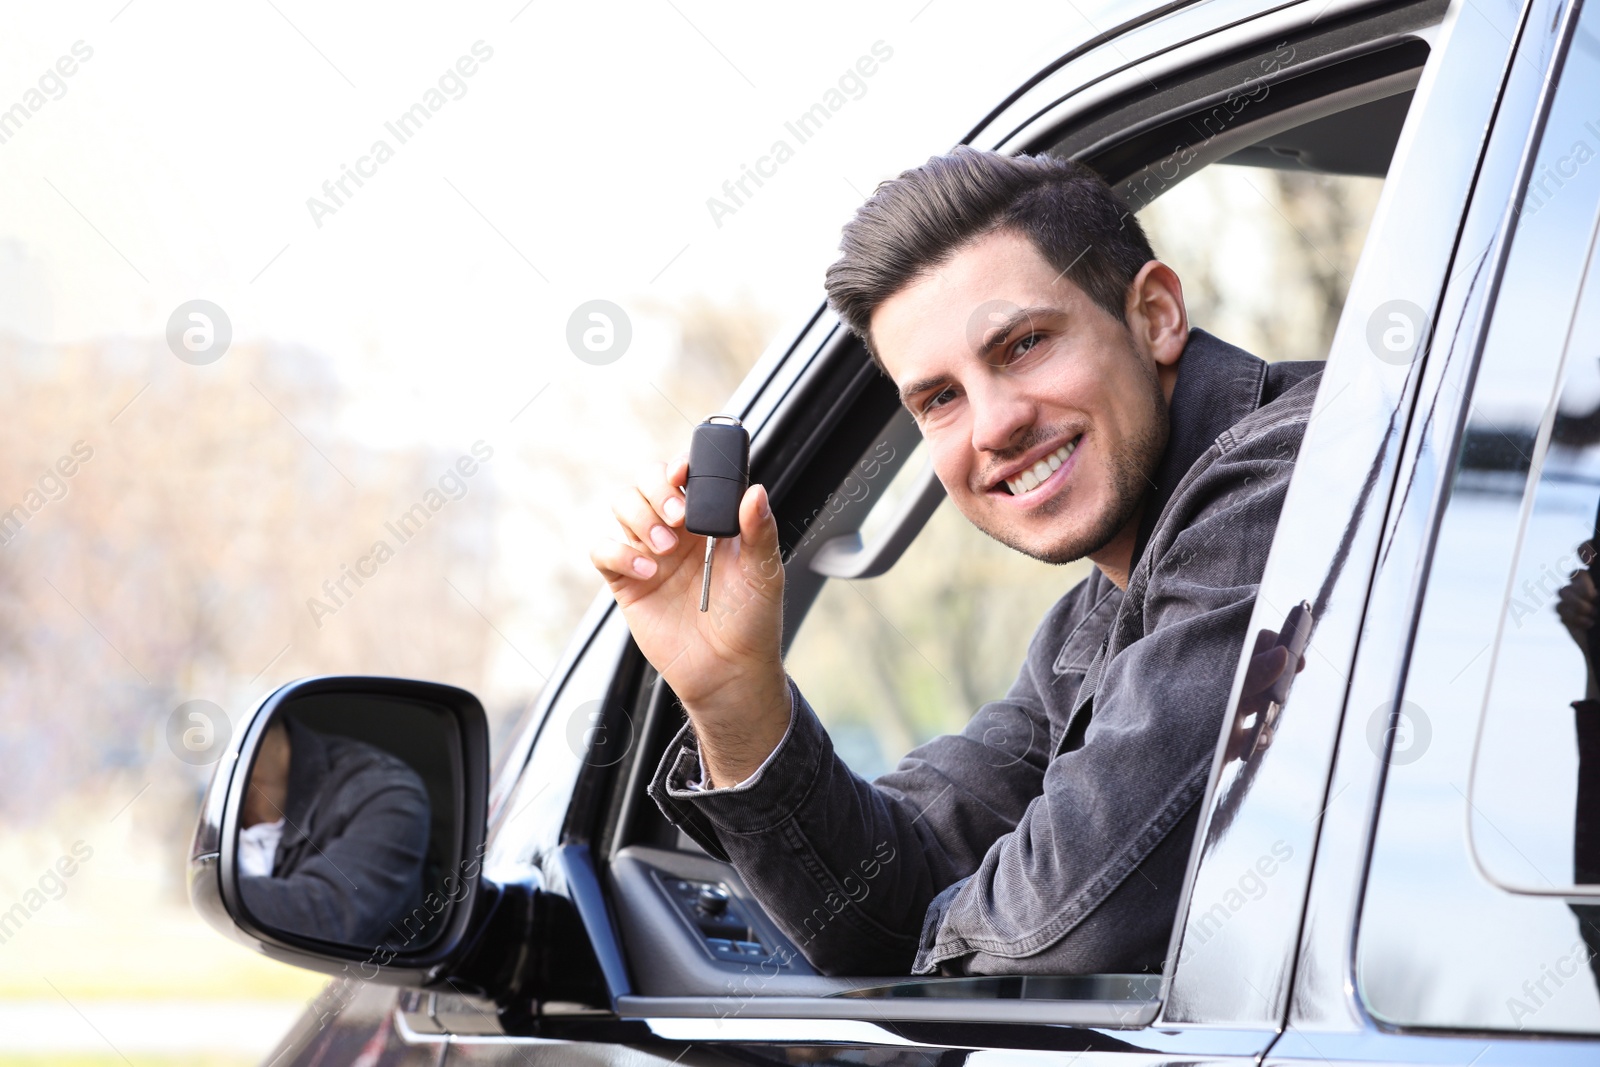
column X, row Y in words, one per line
column 1075, row 548
column 1127, row 479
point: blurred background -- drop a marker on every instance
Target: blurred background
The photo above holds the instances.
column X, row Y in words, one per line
column 381, row 329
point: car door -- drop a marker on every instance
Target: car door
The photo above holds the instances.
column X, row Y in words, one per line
column 1461, row 920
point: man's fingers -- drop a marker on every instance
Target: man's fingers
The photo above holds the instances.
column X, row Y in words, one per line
column 756, row 524
column 617, row 562
column 662, row 486
column 1575, row 604
column 1265, row 669
column 642, row 523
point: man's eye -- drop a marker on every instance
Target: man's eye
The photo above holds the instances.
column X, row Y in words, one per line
column 939, row 399
column 1024, row 345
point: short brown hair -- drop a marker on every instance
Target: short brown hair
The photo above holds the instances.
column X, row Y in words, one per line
column 914, row 223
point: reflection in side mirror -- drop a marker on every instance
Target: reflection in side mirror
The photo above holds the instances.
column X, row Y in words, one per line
column 336, row 832
column 353, row 823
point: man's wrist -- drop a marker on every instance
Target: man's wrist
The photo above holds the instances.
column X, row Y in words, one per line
column 701, row 784
column 737, row 732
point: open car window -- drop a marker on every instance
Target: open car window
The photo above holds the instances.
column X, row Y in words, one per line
column 892, row 660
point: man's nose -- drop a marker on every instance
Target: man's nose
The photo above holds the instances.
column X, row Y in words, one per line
column 1000, row 417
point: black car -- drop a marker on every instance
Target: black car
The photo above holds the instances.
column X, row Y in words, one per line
column 1408, row 873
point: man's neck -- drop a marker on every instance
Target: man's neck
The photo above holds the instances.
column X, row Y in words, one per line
column 1115, row 557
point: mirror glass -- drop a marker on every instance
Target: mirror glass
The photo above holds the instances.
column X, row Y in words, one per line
column 350, row 830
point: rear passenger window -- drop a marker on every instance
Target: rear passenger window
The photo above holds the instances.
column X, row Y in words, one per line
column 1482, row 904
column 1535, row 823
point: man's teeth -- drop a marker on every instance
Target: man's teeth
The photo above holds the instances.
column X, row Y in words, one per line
column 1030, row 478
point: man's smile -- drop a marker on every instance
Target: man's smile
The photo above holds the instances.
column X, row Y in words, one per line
column 1037, row 477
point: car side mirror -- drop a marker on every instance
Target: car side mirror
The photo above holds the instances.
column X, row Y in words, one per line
column 346, row 826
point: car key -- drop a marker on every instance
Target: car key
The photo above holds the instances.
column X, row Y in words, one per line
column 719, row 473
column 1295, row 636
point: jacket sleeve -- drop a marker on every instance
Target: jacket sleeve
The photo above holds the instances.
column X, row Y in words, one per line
column 847, row 868
column 1088, row 844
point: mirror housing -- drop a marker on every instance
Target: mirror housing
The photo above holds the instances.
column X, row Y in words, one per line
column 419, row 746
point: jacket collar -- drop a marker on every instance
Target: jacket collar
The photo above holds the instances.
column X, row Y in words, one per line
column 1218, row 384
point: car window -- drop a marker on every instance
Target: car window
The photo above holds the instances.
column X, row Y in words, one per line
column 1535, row 789
column 1265, row 256
column 923, row 637
column 1471, row 916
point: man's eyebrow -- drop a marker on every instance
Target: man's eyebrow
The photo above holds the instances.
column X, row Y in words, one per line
column 921, row 385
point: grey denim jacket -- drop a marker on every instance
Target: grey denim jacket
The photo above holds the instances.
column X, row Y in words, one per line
column 1051, row 835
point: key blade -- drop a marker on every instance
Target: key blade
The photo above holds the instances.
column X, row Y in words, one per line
column 705, row 575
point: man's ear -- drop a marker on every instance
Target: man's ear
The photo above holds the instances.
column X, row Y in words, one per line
column 1156, row 314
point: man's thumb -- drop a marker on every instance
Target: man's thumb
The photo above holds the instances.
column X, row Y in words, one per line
column 759, row 531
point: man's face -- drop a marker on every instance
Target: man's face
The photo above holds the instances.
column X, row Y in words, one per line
column 1045, row 415
column 268, row 791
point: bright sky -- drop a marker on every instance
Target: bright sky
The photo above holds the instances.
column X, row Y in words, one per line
column 568, row 156
column 574, row 163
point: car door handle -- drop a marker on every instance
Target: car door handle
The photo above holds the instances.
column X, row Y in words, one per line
column 847, row 556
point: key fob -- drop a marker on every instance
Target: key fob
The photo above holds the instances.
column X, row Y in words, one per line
column 719, row 474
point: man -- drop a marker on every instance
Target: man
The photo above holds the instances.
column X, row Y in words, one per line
column 333, row 837
column 1069, row 411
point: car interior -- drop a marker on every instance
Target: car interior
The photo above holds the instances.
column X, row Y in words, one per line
column 687, row 926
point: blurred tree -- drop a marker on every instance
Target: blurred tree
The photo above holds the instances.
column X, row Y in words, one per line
column 1265, row 256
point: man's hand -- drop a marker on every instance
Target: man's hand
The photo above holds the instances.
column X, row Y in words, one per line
column 724, row 664
column 1575, row 607
column 1268, row 662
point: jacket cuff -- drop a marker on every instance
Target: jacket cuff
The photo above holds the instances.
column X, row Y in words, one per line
column 696, row 782
column 928, row 959
column 768, row 797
